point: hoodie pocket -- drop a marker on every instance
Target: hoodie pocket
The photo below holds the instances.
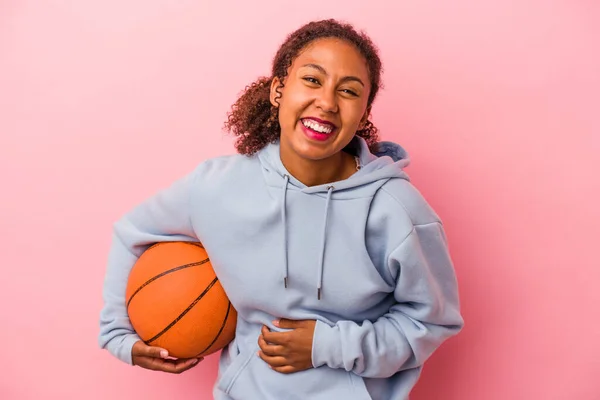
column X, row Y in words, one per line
column 236, row 367
column 249, row 377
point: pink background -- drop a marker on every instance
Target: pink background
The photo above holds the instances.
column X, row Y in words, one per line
column 102, row 103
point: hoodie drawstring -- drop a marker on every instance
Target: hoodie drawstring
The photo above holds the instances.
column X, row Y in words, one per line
column 285, row 241
column 322, row 257
column 284, row 223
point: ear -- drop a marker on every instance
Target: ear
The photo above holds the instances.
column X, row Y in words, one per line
column 364, row 118
column 275, row 87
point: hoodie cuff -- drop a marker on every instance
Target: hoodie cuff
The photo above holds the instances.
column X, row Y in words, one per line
column 327, row 346
column 121, row 347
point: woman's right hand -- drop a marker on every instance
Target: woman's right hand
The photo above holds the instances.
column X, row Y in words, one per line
column 156, row 359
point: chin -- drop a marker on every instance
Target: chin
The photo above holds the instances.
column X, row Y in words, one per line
column 313, row 151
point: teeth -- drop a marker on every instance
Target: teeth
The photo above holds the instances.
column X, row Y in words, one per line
column 316, row 126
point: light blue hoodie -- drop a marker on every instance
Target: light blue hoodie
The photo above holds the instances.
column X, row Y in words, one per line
column 365, row 257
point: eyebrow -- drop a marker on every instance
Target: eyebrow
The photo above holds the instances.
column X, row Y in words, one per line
column 344, row 79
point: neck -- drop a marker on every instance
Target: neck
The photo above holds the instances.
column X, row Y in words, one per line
column 318, row 172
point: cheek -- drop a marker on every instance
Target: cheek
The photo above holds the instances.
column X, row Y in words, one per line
column 286, row 115
column 293, row 103
column 352, row 115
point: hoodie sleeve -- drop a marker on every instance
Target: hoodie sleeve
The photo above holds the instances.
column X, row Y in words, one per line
column 425, row 314
column 163, row 217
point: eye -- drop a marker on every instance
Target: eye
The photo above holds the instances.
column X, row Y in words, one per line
column 350, row 92
column 311, row 80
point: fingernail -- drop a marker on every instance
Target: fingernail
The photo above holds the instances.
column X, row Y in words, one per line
column 195, row 361
column 164, row 353
column 276, row 323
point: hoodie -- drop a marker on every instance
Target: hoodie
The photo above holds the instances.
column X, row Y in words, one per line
column 366, row 257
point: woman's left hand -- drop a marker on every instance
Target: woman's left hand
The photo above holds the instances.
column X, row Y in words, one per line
column 289, row 351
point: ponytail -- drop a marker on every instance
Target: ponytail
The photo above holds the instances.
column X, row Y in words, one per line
column 253, row 119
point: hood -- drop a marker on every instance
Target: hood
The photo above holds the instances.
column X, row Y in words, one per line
column 388, row 162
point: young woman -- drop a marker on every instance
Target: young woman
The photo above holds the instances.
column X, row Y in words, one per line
column 337, row 266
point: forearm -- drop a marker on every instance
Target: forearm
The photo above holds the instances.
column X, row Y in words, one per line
column 163, row 217
column 379, row 349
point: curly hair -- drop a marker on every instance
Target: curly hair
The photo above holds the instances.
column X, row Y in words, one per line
column 254, row 120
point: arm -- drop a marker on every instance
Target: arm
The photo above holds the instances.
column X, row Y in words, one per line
column 425, row 315
column 163, row 217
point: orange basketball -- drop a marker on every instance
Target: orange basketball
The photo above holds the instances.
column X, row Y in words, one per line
column 176, row 302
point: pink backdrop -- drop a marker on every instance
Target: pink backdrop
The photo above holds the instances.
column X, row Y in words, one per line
column 104, row 102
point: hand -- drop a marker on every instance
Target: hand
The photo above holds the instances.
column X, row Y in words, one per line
column 290, row 351
column 157, row 359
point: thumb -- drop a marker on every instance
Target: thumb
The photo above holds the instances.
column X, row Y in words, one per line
column 142, row 349
column 157, row 352
column 287, row 323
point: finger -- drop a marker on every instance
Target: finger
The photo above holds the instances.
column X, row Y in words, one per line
column 264, row 329
column 278, row 338
column 286, row 369
column 172, row 366
column 151, row 363
column 269, row 349
column 157, row 352
column 183, row 365
column 142, row 349
column 277, row 361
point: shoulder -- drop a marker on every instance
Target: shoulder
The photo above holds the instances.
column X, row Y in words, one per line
column 229, row 174
column 224, row 163
column 402, row 196
column 226, row 166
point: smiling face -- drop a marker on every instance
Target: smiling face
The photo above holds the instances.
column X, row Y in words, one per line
column 323, row 101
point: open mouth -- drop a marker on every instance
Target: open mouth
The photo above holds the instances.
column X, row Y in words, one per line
column 318, row 127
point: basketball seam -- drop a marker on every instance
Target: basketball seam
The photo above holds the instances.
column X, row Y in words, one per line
column 155, row 277
column 197, row 244
column 220, row 330
column 159, row 334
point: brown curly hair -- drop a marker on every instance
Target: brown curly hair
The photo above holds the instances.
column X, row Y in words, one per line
column 254, row 120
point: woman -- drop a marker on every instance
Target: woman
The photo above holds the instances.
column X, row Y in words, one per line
column 337, row 266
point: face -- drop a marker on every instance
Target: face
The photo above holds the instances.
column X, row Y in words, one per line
column 324, row 99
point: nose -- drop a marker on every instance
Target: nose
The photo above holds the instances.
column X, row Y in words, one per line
column 327, row 100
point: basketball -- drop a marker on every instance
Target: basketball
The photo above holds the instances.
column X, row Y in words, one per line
column 175, row 301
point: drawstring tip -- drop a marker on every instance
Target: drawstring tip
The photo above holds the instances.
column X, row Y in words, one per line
column 319, row 294
column 285, row 282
